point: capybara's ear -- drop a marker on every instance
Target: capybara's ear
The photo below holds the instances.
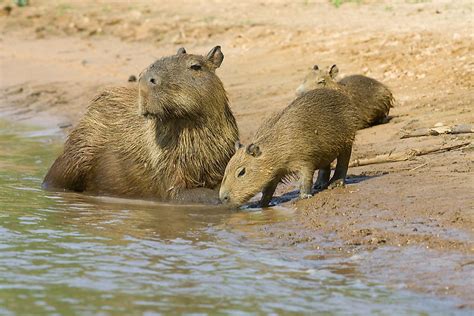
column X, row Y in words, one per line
column 181, row 51
column 238, row 145
column 253, row 150
column 215, row 56
column 333, row 71
column 315, row 67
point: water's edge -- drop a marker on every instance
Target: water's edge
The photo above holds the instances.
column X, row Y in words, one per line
column 64, row 253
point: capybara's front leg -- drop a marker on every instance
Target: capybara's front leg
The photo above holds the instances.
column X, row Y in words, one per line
column 267, row 193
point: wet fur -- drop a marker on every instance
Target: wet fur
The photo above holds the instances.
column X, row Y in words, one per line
column 116, row 151
column 307, row 135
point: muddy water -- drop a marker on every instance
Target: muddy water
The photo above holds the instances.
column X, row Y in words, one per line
column 64, row 253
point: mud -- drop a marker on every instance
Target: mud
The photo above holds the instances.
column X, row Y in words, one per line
column 409, row 223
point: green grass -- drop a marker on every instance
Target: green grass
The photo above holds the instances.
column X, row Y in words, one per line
column 338, row 3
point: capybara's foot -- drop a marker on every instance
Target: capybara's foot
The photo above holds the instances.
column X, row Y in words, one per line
column 264, row 204
column 339, row 183
column 319, row 186
column 305, row 195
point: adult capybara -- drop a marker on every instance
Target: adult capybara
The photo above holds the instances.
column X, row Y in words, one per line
column 173, row 132
column 371, row 98
column 309, row 134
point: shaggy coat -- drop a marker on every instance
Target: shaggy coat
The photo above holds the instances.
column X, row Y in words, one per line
column 309, row 134
column 173, row 133
column 372, row 100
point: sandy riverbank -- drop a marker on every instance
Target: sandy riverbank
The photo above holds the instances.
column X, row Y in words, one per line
column 55, row 56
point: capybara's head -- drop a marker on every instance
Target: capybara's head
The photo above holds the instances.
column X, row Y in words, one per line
column 318, row 78
column 182, row 86
column 246, row 174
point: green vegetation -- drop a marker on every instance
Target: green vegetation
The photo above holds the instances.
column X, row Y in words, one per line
column 21, row 3
column 338, row 3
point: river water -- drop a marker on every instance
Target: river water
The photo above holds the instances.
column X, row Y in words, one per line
column 66, row 254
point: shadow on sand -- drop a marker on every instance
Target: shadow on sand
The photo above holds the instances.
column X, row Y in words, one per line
column 294, row 194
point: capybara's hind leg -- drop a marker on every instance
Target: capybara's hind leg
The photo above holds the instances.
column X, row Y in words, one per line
column 64, row 175
column 323, row 178
column 306, row 182
column 339, row 177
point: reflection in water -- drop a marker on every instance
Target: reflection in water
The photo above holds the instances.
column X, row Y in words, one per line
column 71, row 253
column 114, row 218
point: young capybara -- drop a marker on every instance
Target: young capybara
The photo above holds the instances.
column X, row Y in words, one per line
column 173, row 132
column 309, row 134
column 371, row 98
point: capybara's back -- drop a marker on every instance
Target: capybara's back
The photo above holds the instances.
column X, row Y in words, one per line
column 318, row 122
column 172, row 133
column 372, row 99
column 107, row 152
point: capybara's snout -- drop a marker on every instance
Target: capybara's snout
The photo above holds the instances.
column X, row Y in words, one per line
column 224, row 196
column 149, row 80
column 146, row 83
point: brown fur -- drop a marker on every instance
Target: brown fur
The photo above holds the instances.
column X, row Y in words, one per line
column 154, row 141
column 371, row 98
column 309, row 134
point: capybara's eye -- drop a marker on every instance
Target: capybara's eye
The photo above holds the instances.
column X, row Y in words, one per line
column 241, row 173
column 196, row 67
column 322, row 81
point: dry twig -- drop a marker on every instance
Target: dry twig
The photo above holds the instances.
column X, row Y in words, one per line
column 435, row 131
column 403, row 156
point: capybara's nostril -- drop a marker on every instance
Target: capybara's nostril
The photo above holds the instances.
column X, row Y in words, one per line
column 225, row 198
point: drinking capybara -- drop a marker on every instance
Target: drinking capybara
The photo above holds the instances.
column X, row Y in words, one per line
column 309, row 134
column 173, row 132
column 371, row 98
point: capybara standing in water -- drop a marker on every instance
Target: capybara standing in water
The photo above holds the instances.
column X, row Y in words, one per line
column 372, row 99
column 309, row 134
column 173, row 132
